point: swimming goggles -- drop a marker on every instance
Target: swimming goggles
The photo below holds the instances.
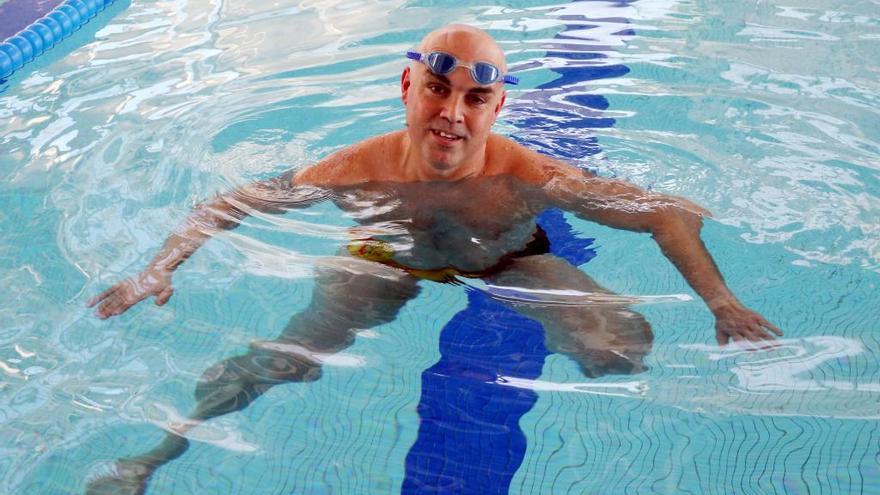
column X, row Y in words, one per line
column 442, row 63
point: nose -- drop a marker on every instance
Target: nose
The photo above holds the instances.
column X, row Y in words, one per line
column 453, row 109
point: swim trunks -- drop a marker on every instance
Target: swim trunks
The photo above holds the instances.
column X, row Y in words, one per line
column 381, row 252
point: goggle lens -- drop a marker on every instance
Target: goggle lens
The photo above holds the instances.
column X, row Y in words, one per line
column 441, row 63
column 484, row 73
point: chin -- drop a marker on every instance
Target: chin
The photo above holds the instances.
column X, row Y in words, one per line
column 443, row 164
column 443, row 169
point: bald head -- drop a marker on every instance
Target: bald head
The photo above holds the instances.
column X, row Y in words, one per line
column 465, row 42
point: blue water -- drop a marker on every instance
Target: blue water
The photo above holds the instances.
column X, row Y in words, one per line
column 764, row 114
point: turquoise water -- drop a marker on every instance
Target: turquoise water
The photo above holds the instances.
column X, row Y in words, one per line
column 765, row 114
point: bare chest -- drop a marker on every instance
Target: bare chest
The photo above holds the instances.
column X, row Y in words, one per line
column 484, row 208
column 468, row 225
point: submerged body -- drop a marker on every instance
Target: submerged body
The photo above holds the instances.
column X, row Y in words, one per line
column 441, row 199
column 424, row 231
column 468, row 225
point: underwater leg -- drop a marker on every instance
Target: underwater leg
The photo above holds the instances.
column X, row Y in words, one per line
column 343, row 303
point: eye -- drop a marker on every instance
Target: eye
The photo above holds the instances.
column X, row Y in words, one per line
column 476, row 100
column 437, row 89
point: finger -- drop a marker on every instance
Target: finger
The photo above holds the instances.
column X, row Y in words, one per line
column 773, row 328
column 113, row 306
column 766, row 328
column 722, row 338
column 759, row 334
column 131, row 299
column 750, row 330
column 122, row 306
column 119, row 308
column 164, row 296
column 100, row 297
column 103, row 311
column 107, row 309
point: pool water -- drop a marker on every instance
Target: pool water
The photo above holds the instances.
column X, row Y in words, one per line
column 765, row 114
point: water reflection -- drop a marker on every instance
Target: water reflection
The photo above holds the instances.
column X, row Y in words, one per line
column 105, row 151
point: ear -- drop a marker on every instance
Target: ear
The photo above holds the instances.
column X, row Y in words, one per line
column 404, row 84
column 500, row 103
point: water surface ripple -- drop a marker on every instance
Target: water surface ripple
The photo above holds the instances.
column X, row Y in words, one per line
column 767, row 114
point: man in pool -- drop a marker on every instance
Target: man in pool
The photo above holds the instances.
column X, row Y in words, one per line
column 443, row 200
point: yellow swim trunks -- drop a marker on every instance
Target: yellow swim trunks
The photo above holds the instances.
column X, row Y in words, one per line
column 382, row 252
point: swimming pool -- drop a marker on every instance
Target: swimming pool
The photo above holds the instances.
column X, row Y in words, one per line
column 106, row 149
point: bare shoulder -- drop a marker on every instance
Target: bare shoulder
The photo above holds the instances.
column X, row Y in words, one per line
column 354, row 164
column 506, row 156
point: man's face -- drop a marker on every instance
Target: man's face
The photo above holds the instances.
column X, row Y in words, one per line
column 449, row 117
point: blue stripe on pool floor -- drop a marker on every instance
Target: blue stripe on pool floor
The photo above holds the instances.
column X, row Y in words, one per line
column 469, row 439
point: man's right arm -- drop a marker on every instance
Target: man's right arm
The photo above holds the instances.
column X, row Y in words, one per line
column 223, row 212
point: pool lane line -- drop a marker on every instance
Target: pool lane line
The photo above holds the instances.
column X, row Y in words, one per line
column 29, row 28
column 469, row 440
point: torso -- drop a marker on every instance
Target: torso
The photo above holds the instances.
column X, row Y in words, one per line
column 469, row 224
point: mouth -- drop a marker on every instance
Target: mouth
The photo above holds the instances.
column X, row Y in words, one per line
column 446, row 137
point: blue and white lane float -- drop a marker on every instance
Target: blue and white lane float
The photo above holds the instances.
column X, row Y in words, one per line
column 469, row 439
column 43, row 33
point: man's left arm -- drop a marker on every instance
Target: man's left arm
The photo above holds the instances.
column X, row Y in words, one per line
column 675, row 225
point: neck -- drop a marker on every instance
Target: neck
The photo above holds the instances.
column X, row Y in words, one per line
column 417, row 169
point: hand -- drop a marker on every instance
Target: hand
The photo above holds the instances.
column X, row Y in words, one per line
column 737, row 322
column 117, row 299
